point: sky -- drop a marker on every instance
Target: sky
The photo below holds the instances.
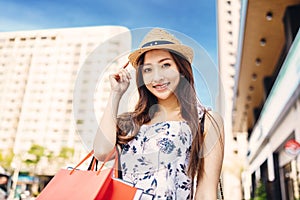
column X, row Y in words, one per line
column 194, row 18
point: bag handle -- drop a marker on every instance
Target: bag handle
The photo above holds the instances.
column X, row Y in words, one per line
column 93, row 164
column 107, row 159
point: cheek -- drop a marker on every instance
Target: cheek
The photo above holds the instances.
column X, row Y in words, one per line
column 149, row 88
column 147, row 79
column 173, row 75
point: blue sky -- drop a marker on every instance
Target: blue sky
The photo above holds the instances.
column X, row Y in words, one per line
column 195, row 18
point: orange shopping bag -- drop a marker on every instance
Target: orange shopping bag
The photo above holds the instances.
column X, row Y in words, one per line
column 86, row 185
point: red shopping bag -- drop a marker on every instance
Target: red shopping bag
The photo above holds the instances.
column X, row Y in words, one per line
column 86, row 185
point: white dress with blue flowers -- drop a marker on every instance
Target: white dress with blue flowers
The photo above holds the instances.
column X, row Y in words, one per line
column 156, row 160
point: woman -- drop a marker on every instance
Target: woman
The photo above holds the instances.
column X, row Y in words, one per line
column 163, row 141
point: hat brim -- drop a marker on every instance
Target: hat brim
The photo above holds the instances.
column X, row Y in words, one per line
column 184, row 51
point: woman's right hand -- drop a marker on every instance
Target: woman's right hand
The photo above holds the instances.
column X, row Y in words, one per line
column 120, row 81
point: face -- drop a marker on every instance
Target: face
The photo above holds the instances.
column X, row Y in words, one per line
column 160, row 73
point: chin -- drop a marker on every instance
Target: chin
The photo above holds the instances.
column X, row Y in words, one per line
column 162, row 96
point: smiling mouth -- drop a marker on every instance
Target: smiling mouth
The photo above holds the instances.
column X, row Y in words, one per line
column 161, row 86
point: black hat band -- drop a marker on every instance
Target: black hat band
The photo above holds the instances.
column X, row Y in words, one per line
column 157, row 42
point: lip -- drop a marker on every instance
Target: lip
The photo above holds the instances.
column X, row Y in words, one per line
column 161, row 87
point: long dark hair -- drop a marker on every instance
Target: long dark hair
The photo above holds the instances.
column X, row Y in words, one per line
column 186, row 95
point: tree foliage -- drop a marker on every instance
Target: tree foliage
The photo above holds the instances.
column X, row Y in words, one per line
column 6, row 159
column 37, row 152
column 260, row 192
column 66, row 153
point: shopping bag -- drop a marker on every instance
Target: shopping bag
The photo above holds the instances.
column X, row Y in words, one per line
column 79, row 185
column 86, row 185
column 118, row 188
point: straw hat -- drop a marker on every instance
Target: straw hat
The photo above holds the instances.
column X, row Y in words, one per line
column 161, row 39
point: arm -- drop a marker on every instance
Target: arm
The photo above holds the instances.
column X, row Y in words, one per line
column 208, row 185
column 105, row 138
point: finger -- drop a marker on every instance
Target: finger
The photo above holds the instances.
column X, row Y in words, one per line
column 118, row 77
column 125, row 76
column 114, row 78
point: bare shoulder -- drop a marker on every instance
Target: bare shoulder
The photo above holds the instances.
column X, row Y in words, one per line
column 214, row 123
column 216, row 118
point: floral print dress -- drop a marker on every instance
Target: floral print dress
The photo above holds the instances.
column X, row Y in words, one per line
column 156, row 160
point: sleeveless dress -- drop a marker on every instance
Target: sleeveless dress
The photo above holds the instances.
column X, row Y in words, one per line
column 156, row 160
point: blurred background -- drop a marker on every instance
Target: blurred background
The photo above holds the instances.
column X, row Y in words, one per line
column 50, row 53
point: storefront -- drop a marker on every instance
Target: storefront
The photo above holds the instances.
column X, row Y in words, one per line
column 274, row 160
column 289, row 168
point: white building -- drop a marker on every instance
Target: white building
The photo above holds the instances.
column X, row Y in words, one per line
column 235, row 145
column 41, row 70
column 265, row 109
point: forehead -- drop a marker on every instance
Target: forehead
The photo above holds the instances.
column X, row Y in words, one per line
column 156, row 55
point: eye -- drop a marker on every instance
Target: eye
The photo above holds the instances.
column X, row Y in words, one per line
column 147, row 69
column 166, row 65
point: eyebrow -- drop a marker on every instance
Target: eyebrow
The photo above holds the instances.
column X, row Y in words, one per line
column 160, row 61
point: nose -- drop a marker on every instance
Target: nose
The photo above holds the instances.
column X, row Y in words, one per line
column 157, row 75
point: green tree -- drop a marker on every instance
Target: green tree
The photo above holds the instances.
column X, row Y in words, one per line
column 37, row 151
column 260, row 192
column 66, row 153
column 6, row 159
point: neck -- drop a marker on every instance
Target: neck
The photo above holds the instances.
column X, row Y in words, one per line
column 170, row 104
column 169, row 109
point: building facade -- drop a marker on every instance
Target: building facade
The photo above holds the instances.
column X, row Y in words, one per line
column 265, row 107
column 40, row 72
column 228, row 40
